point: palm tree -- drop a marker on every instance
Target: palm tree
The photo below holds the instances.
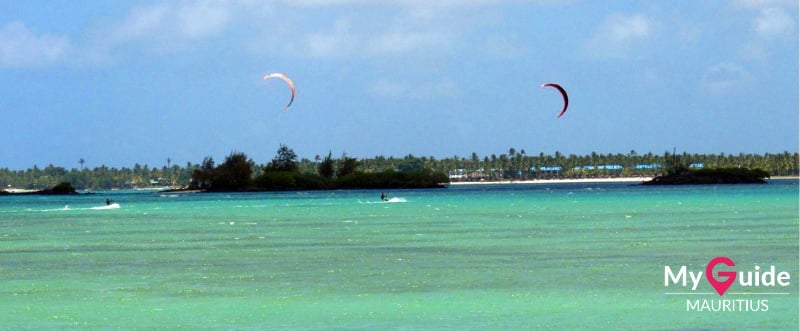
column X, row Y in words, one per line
column 168, row 172
column 520, row 168
column 81, row 161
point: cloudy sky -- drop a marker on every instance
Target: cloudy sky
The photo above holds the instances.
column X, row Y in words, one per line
column 124, row 82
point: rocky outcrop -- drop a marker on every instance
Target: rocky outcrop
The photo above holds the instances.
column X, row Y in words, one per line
column 60, row 189
column 712, row 176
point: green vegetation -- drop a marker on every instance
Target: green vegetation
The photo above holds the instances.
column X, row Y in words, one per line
column 101, row 177
column 232, row 175
column 283, row 173
column 679, row 172
column 324, row 170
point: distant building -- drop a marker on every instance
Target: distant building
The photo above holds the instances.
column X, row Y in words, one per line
column 546, row 171
column 600, row 167
column 476, row 176
column 648, row 166
column 548, row 168
column 458, row 174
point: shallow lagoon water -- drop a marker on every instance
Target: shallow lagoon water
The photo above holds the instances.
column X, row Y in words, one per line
column 540, row 256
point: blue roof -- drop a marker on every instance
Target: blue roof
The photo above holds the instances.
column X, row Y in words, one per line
column 550, row 168
column 648, row 166
column 601, row 167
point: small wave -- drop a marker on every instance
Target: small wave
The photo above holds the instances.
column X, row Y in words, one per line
column 392, row 200
column 110, row 206
column 68, row 208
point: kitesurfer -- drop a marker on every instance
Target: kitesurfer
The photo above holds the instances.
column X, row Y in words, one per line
column 563, row 95
column 288, row 82
column 383, row 197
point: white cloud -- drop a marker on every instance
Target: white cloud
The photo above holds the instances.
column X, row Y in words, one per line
column 398, row 42
column 339, row 41
column 774, row 23
column 413, row 27
column 765, row 3
column 140, row 23
column 203, row 19
column 411, row 3
column 165, row 26
column 618, row 34
column 414, row 90
column 726, row 77
column 20, row 47
column 506, row 47
column 363, row 37
column 310, row 28
column 773, row 28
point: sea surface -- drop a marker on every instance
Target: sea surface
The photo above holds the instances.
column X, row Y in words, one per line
column 585, row 256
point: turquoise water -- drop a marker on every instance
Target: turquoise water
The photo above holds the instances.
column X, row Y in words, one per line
column 503, row 257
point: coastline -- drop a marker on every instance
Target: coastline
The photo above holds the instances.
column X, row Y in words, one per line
column 504, row 182
column 559, row 181
column 18, row 190
column 580, row 180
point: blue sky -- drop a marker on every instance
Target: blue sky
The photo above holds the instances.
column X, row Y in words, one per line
column 124, row 82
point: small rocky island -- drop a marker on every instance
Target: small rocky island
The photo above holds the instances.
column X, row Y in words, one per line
column 685, row 176
column 236, row 174
column 63, row 188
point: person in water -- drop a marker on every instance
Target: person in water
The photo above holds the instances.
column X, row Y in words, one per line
column 108, row 202
column 383, row 197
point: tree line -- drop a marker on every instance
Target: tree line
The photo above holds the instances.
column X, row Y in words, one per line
column 102, row 177
column 517, row 165
column 236, row 173
column 513, row 165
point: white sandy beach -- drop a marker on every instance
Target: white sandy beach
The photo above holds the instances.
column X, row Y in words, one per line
column 561, row 181
column 18, row 190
